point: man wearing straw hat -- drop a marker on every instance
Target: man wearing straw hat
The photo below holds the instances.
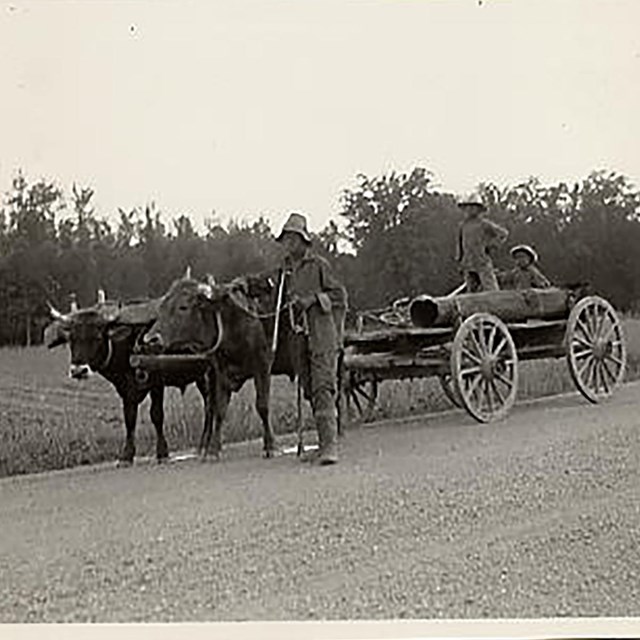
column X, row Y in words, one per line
column 525, row 274
column 319, row 303
column 477, row 236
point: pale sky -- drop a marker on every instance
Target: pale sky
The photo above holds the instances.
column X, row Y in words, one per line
column 272, row 106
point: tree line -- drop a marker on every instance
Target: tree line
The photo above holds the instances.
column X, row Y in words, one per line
column 394, row 236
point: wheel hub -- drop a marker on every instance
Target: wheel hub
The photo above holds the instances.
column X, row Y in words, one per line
column 600, row 349
column 488, row 367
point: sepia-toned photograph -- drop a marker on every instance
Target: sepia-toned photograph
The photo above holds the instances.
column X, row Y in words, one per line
column 323, row 313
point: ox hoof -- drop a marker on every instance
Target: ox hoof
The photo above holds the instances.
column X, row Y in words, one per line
column 272, row 453
column 123, row 464
column 162, row 460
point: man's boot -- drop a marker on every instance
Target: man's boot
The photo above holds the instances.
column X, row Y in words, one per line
column 312, row 455
column 328, row 432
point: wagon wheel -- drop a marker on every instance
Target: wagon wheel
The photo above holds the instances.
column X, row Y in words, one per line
column 484, row 367
column 361, row 396
column 446, row 382
column 596, row 349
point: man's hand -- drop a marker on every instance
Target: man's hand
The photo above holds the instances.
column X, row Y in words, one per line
column 302, row 303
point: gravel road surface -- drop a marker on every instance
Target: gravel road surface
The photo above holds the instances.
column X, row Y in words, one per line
column 439, row 517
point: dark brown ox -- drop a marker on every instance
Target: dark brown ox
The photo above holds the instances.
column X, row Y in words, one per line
column 194, row 317
column 102, row 339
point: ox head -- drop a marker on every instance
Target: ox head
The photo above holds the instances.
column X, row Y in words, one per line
column 89, row 333
column 259, row 285
column 188, row 317
column 259, row 290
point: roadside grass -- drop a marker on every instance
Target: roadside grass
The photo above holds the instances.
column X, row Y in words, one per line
column 48, row 421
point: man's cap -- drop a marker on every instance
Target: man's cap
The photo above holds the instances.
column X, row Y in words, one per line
column 296, row 223
column 472, row 200
column 525, row 248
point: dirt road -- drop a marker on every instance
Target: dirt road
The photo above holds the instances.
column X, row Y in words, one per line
column 537, row 516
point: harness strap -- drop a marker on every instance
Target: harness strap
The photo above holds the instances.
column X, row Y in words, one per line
column 107, row 359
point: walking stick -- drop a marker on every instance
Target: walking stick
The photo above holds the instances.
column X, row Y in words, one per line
column 299, row 331
column 299, row 418
column 274, row 345
column 276, row 324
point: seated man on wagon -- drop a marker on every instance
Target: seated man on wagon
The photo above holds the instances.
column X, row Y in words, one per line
column 525, row 274
column 477, row 236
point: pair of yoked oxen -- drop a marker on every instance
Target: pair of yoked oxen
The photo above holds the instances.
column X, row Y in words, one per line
column 233, row 322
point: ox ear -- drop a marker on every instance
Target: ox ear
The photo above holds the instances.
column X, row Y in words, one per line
column 55, row 334
column 260, row 285
column 205, row 290
column 119, row 332
column 241, row 283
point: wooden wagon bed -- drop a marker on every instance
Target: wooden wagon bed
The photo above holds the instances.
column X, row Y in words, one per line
column 476, row 354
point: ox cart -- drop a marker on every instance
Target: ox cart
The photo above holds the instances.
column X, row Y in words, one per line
column 474, row 342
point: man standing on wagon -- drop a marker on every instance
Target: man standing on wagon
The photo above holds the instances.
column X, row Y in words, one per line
column 477, row 236
column 320, row 304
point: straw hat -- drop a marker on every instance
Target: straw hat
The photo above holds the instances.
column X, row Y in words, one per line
column 472, row 200
column 296, row 223
column 525, row 248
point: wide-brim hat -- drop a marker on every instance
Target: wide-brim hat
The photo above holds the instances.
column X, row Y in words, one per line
column 472, row 200
column 525, row 248
column 296, row 223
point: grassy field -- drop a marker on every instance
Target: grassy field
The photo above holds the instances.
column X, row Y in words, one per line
column 49, row 421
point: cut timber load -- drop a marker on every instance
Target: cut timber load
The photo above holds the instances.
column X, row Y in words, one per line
column 508, row 305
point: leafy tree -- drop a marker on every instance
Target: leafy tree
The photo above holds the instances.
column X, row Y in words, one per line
column 403, row 233
column 377, row 205
column 31, row 237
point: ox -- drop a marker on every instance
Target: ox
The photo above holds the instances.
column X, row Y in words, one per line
column 102, row 339
column 195, row 317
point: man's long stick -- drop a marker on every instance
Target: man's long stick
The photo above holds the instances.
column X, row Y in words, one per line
column 299, row 423
column 276, row 324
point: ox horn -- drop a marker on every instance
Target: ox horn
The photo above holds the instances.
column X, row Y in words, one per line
column 210, row 280
column 187, row 273
column 57, row 315
column 102, row 298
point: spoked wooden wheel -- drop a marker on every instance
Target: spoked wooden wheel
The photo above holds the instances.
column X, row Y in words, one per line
column 446, row 382
column 360, row 396
column 484, row 367
column 596, row 349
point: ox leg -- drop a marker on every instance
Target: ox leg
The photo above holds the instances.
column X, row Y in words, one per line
column 217, row 394
column 223, row 397
column 157, row 417
column 207, row 390
column 130, row 407
column 262, row 385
